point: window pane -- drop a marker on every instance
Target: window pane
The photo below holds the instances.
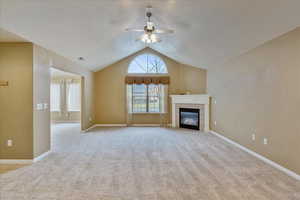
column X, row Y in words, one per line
column 154, row 98
column 55, row 97
column 156, row 65
column 139, row 98
column 74, row 97
column 147, row 98
column 147, row 63
column 138, row 65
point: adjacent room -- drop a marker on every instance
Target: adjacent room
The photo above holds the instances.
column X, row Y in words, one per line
column 145, row 99
column 65, row 97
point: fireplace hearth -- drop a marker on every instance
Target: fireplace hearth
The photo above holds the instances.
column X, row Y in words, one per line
column 189, row 118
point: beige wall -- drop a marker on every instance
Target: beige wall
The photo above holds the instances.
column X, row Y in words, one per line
column 259, row 92
column 16, row 100
column 87, row 76
column 110, row 89
column 27, row 68
column 41, row 94
column 87, row 79
column 44, row 59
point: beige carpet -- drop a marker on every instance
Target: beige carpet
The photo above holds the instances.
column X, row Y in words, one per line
column 4, row 168
column 145, row 164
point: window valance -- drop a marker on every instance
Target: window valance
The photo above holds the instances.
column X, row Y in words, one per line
column 147, row 80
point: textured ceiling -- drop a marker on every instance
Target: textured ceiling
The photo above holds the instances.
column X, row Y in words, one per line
column 206, row 31
column 60, row 73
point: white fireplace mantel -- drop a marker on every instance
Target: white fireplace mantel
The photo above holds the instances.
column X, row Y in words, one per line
column 198, row 99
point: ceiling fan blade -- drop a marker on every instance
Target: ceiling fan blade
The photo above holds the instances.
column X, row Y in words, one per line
column 164, row 31
column 134, row 30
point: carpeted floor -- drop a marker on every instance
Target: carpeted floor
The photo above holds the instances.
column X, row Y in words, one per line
column 4, row 168
column 145, row 164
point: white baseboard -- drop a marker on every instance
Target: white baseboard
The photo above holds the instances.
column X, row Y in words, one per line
column 120, row 125
column 145, row 125
column 16, row 161
column 88, row 129
column 266, row 160
column 110, row 125
column 41, row 157
column 65, row 122
column 24, row 161
column 103, row 125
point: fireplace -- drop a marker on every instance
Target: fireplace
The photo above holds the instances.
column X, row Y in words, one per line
column 200, row 102
column 189, row 118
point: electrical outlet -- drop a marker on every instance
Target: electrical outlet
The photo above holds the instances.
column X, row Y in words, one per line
column 215, row 102
column 215, row 122
column 253, row 137
column 9, row 143
column 265, row 141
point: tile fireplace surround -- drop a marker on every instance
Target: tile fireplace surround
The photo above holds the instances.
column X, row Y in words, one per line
column 200, row 101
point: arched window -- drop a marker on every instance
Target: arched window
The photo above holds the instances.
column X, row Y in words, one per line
column 147, row 63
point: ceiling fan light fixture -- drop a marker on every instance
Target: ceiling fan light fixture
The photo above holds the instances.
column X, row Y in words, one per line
column 150, row 31
column 149, row 38
column 150, row 26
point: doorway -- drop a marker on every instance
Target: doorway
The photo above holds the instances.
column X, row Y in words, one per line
column 65, row 99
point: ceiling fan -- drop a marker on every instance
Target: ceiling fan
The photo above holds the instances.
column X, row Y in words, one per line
column 150, row 32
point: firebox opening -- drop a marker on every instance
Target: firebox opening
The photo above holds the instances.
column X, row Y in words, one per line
column 189, row 118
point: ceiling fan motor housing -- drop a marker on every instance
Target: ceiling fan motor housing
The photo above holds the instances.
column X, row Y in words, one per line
column 147, row 30
column 149, row 14
column 150, row 32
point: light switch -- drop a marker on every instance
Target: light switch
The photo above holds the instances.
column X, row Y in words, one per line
column 9, row 143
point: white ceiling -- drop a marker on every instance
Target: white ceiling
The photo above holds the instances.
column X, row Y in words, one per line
column 60, row 73
column 206, row 31
column 6, row 36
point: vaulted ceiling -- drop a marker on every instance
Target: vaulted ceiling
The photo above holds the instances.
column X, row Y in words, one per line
column 6, row 36
column 206, row 31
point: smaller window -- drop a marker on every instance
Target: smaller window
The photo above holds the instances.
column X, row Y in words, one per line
column 147, row 63
column 74, row 97
column 55, row 97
